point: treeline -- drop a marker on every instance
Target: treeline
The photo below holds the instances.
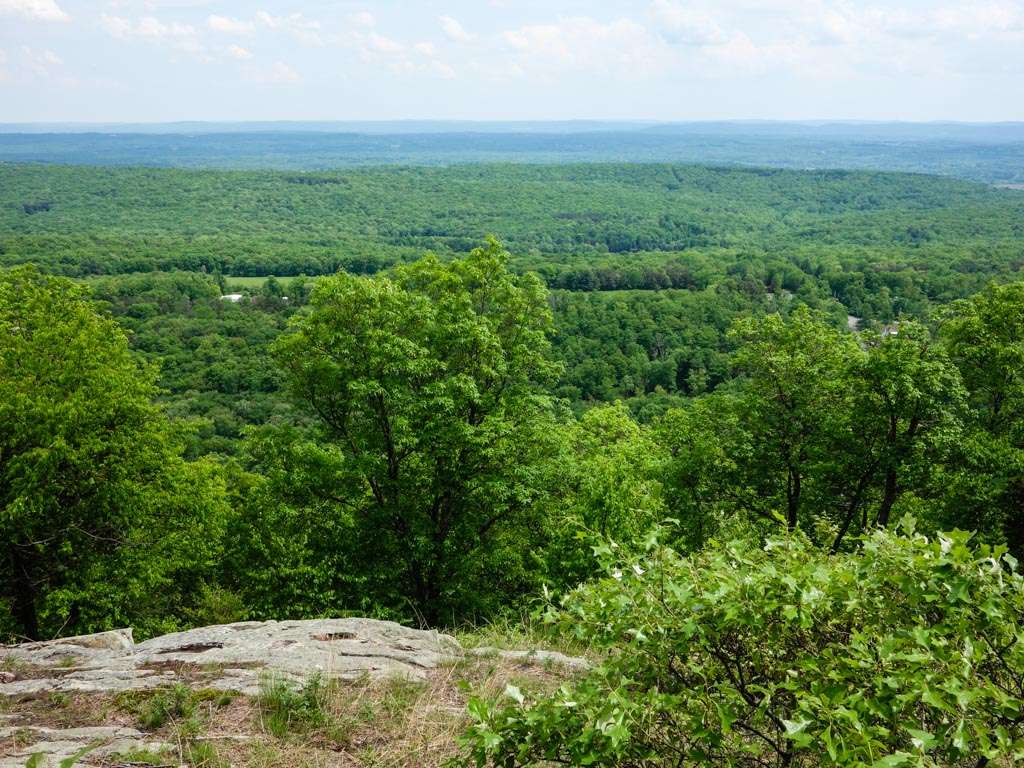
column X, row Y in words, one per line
column 582, row 227
column 988, row 154
column 646, row 348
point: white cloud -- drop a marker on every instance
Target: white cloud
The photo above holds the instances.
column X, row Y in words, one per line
column 229, row 25
column 147, row 27
column 980, row 19
column 238, row 52
column 454, row 30
column 442, row 70
column 41, row 63
column 150, row 26
column 829, row 38
column 620, row 47
column 306, row 31
column 363, row 19
column 686, row 24
column 382, row 44
column 398, row 57
column 278, row 74
column 116, row 26
column 42, row 10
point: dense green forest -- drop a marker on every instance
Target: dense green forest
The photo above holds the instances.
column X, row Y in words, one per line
column 582, row 227
column 648, row 265
column 728, row 429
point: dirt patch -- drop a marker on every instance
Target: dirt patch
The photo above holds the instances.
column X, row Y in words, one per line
column 193, row 648
column 331, row 636
column 66, row 710
column 192, row 672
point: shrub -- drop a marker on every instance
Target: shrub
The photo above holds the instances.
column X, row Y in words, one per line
column 910, row 653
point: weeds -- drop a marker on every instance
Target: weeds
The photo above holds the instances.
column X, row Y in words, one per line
column 203, row 754
column 286, row 710
column 525, row 632
column 176, row 703
column 13, row 664
column 162, row 759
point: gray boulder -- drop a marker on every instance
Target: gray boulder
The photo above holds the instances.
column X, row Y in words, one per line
column 227, row 657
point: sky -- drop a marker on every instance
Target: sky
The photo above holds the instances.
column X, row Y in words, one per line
column 673, row 60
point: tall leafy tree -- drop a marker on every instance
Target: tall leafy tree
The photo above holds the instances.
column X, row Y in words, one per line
column 101, row 521
column 985, row 338
column 795, row 386
column 609, row 490
column 904, row 414
column 425, row 390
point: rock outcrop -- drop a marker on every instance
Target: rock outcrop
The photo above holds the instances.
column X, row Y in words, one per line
column 230, row 657
column 226, row 657
column 66, row 746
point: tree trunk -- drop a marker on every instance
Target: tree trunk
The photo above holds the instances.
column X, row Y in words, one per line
column 792, row 500
column 24, row 593
column 888, row 499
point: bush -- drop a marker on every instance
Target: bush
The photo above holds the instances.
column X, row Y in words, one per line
column 910, row 653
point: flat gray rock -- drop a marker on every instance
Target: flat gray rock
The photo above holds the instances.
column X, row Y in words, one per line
column 227, row 657
column 56, row 744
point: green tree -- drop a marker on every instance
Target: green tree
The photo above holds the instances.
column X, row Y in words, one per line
column 985, row 338
column 608, row 489
column 425, row 388
column 795, row 385
column 706, row 486
column 101, row 521
column 905, row 413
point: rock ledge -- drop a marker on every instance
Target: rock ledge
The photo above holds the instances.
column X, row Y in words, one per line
column 226, row 657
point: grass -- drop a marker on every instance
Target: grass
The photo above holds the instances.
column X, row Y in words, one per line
column 134, row 757
column 166, row 705
column 520, row 633
column 204, row 754
column 15, row 665
column 285, row 709
column 385, row 722
column 250, row 282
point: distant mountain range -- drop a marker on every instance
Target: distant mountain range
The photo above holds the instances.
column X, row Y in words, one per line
column 984, row 152
column 923, row 131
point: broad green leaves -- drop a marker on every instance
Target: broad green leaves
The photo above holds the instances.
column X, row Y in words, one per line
column 907, row 653
column 426, row 389
column 829, row 431
column 101, row 522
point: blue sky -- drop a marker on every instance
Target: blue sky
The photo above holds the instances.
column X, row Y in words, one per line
column 161, row 60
